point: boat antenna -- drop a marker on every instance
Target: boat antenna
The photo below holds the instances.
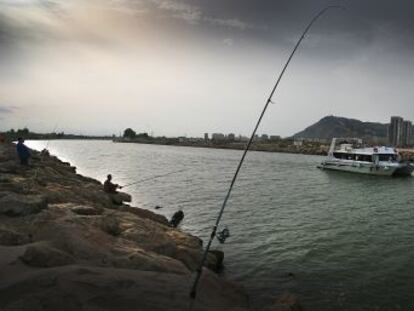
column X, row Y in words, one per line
column 199, row 270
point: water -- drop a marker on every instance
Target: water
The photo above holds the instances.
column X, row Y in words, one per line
column 340, row 241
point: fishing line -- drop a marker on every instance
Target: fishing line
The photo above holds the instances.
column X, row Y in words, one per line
column 53, row 132
column 152, row 177
column 193, row 292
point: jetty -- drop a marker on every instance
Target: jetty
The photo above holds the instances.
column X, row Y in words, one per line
column 65, row 246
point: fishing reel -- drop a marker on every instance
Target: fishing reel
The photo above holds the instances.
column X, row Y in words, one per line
column 223, row 235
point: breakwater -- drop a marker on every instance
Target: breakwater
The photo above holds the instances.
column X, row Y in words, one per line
column 65, row 246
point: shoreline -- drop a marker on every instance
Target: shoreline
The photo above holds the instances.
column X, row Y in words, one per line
column 322, row 150
column 62, row 241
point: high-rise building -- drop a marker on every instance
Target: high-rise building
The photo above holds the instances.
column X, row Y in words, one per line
column 407, row 134
column 412, row 136
column 395, row 131
column 231, row 137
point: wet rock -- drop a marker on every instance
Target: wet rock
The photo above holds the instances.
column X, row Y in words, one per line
column 216, row 260
column 14, row 204
column 43, row 255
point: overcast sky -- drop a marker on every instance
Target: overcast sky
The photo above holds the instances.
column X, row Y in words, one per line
column 185, row 67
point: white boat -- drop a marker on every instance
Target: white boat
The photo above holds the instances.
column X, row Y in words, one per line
column 352, row 157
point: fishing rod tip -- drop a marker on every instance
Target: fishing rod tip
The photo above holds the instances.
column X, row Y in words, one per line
column 336, row 7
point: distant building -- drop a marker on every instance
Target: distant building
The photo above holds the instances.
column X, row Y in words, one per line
column 298, row 142
column 412, row 135
column 264, row 137
column 242, row 138
column 231, row 137
column 395, row 131
column 274, row 138
column 217, row 136
column 407, row 133
column 206, row 137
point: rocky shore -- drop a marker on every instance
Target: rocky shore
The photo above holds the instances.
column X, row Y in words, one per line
column 65, row 246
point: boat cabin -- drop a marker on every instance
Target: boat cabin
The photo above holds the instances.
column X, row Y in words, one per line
column 373, row 154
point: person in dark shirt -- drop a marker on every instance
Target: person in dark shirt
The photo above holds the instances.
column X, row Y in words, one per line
column 110, row 187
column 23, row 152
column 176, row 219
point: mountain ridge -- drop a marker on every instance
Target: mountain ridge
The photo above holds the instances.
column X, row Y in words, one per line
column 335, row 126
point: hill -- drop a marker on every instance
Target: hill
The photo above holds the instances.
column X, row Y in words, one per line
column 331, row 126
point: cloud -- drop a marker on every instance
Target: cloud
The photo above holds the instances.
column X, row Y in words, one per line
column 232, row 23
column 7, row 109
column 228, row 41
column 193, row 14
column 186, row 12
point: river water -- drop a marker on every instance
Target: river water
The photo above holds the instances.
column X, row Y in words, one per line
column 339, row 241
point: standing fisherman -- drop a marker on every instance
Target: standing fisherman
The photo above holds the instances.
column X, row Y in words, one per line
column 23, row 152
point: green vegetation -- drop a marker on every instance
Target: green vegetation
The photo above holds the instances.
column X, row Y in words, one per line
column 12, row 135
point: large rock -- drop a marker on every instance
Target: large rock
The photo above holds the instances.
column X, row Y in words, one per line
column 120, row 197
column 143, row 213
column 10, row 237
column 86, row 210
column 86, row 288
column 19, row 205
column 43, row 255
column 285, row 302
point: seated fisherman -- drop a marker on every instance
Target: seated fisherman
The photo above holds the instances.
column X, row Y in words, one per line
column 110, row 187
column 23, row 152
column 117, row 198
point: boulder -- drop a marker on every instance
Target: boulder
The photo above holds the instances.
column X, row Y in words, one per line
column 215, row 260
column 110, row 225
column 20, row 205
column 11, row 238
column 120, row 197
column 143, row 213
column 146, row 261
column 86, row 210
column 10, row 166
column 89, row 288
column 285, row 302
column 43, row 255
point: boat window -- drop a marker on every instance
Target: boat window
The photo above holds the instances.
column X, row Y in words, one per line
column 365, row 157
column 388, row 157
column 354, row 157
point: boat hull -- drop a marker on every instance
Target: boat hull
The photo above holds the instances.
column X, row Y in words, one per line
column 368, row 169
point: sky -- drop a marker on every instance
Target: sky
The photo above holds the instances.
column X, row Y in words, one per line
column 186, row 67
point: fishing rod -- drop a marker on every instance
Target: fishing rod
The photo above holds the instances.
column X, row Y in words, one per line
column 48, row 141
column 153, row 177
column 193, row 292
